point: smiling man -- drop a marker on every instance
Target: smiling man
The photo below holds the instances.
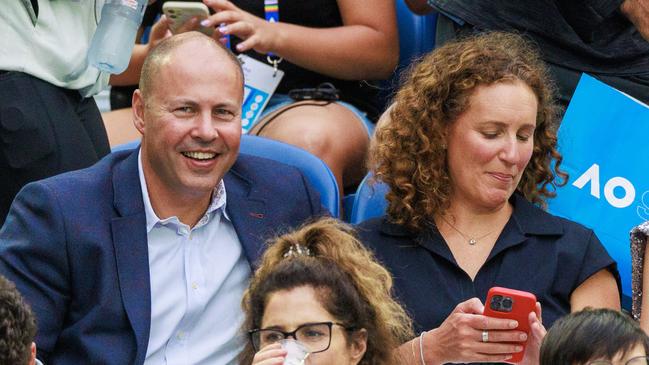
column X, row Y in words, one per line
column 143, row 258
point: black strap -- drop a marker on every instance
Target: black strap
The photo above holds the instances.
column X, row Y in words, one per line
column 267, row 119
column 35, row 6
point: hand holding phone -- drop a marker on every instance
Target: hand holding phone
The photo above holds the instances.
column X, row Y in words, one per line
column 180, row 12
column 511, row 304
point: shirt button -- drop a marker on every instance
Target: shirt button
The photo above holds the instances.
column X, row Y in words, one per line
column 180, row 335
column 194, row 286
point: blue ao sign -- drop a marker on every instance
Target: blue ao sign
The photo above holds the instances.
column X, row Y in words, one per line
column 603, row 139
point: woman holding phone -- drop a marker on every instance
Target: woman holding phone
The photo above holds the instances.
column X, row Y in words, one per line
column 341, row 42
column 469, row 153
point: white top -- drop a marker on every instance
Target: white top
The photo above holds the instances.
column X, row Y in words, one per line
column 52, row 46
column 198, row 276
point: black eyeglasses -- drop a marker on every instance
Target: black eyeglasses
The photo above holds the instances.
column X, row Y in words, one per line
column 638, row 360
column 315, row 336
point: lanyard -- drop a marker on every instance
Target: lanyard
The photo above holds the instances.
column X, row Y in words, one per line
column 271, row 9
column 271, row 12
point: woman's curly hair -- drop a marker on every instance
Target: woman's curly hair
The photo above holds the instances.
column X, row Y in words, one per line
column 17, row 325
column 350, row 284
column 408, row 152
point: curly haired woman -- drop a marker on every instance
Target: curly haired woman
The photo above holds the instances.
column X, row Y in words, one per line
column 469, row 154
column 17, row 327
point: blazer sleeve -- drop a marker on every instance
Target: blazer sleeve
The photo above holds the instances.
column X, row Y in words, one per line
column 33, row 254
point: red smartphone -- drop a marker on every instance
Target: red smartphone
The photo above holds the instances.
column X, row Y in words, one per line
column 511, row 304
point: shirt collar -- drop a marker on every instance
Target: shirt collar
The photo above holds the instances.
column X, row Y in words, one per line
column 532, row 220
column 218, row 201
column 526, row 220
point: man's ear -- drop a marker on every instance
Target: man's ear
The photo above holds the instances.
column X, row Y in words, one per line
column 32, row 356
column 138, row 111
column 358, row 345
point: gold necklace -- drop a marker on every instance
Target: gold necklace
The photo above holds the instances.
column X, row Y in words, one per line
column 471, row 240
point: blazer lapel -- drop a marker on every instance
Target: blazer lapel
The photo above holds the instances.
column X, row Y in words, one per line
column 248, row 215
column 131, row 251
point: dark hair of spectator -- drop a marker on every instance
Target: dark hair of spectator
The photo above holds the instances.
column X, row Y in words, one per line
column 591, row 334
column 17, row 325
column 351, row 285
column 409, row 151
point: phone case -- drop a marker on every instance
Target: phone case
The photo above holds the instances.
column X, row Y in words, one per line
column 522, row 303
column 178, row 12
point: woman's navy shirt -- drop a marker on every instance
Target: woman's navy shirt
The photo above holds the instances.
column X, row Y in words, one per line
column 536, row 252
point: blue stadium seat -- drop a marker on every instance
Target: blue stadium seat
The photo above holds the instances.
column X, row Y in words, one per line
column 369, row 200
column 416, row 33
column 416, row 38
column 316, row 172
column 126, row 146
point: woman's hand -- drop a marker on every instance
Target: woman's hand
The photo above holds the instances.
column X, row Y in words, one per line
column 159, row 32
column 256, row 33
column 537, row 332
column 272, row 354
column 459, row 338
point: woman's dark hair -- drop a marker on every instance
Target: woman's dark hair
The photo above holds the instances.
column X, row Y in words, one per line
column 351, row 285
column 591, row 334
column 17, row 325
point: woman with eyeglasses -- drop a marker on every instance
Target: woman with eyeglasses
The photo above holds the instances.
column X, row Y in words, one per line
column 320, row 287
column 595, row 337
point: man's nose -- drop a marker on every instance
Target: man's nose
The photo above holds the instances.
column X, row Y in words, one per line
column 204, row 128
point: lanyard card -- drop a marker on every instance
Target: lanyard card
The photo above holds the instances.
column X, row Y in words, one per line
column 261, row 80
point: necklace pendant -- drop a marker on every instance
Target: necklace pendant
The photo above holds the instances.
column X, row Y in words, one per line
column 472, row 241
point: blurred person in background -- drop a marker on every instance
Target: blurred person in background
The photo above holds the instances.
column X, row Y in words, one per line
column 607, row 39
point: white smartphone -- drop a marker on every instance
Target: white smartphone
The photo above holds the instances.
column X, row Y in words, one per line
column 179, row 12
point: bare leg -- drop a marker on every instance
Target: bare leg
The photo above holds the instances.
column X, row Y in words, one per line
column 332, row 132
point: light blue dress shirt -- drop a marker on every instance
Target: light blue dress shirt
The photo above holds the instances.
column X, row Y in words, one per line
column 198, row 276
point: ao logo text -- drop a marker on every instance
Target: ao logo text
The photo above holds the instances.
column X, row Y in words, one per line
column 592, row 176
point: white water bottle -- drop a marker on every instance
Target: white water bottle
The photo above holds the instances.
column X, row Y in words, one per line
column 112, row 44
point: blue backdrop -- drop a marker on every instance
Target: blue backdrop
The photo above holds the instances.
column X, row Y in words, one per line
column 604, row 141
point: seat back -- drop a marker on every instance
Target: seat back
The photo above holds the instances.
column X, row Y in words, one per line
column 316, row 172
column 416, row 33
column 369, row 200
column 416, row 38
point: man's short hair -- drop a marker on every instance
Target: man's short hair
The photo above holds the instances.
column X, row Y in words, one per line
column 17, row 325
column 162, row 52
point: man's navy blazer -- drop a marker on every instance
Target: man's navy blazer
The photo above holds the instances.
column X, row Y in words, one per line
column 76, row 247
